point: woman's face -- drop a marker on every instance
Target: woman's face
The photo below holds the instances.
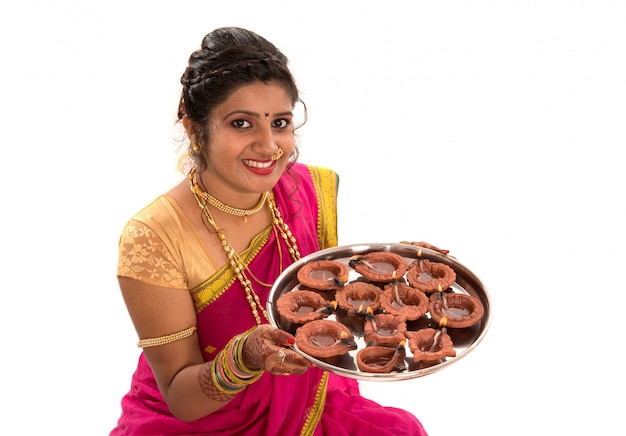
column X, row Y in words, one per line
column 245, row 131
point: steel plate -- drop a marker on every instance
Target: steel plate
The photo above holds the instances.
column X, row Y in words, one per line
column 464, row 340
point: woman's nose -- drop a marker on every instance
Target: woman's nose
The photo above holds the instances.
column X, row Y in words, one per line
column 264, row 140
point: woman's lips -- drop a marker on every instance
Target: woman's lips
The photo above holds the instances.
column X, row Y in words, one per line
column 263, row 167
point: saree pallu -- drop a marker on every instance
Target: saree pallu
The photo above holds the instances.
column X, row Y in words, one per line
column 160, row 246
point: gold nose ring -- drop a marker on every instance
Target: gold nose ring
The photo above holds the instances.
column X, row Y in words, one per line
column 279, row 153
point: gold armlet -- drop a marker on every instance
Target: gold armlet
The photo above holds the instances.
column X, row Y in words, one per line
column 162, row 340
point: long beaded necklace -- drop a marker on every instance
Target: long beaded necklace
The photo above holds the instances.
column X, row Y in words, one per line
column 234, row 260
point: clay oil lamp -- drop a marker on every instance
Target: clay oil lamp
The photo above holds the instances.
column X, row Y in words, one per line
column 325, row 339
column 402, row 300
column 357, row 297
column 430, row 276
column 301, row 306
column 430, row 345
column 384, row 329
column 323, row 275
column 455, row 310
column 378, row 359
column 379, row 266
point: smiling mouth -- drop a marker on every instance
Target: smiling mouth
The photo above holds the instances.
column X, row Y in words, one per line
column 257, row 164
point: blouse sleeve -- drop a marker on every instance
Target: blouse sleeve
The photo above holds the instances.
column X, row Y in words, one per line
column 144, row 256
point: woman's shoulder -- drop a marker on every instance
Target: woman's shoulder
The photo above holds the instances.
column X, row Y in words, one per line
column 160, row 209
column 312, row 173
column 161, row 217
column 149, row 247
column 305, row 168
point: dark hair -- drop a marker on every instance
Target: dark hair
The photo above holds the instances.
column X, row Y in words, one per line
column 228, row 58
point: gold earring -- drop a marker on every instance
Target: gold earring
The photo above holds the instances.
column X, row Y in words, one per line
column 196, row 147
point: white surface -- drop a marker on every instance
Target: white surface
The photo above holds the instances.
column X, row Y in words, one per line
column 489, row 128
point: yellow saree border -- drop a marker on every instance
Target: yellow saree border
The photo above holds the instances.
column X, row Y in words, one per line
column 326, row 185
column 210, row 290
column 318, row 407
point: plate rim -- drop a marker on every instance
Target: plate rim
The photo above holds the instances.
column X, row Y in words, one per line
column 362, row 248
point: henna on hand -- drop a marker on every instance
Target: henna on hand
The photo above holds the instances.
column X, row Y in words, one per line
column 209, row 388
column 262, row 349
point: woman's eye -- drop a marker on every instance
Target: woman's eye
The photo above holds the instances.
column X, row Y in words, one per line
column 240, row 124
column 281, row 123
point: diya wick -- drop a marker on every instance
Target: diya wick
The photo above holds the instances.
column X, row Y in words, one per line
column 337, row 282
column 369, row 315
column 396, row 292
column 436, row 337
column 328, row 309
column 366, row 311
column 442, row 331
column 401, row 347
column 443, row 297
column 442, row 294
column 343, row 339
column 357, row 259
column 354, row 260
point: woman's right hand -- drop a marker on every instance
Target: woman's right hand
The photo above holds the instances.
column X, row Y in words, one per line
column 267, row 348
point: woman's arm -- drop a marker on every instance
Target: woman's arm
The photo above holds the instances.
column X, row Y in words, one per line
column 183, row 377
column 157, row 311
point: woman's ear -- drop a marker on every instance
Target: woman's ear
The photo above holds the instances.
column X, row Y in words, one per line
column 188, row 125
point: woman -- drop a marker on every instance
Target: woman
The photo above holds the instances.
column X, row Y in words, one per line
column 196, row 265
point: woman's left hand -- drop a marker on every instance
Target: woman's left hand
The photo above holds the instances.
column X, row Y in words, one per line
column 268, row 347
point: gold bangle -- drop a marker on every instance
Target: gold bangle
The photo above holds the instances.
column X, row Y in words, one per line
column 162, row 340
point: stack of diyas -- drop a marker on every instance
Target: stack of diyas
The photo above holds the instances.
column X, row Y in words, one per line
column 393, row 305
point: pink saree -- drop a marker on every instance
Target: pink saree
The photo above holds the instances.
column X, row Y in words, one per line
column 314, row 403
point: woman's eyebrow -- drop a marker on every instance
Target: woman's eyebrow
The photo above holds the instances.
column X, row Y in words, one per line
column 244, row 112
column 256, row 115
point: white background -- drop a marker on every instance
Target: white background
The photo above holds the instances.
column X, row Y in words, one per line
column 492, row 128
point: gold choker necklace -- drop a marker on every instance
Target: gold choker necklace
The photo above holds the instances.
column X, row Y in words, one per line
column 280, row 227
column 208, row 198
